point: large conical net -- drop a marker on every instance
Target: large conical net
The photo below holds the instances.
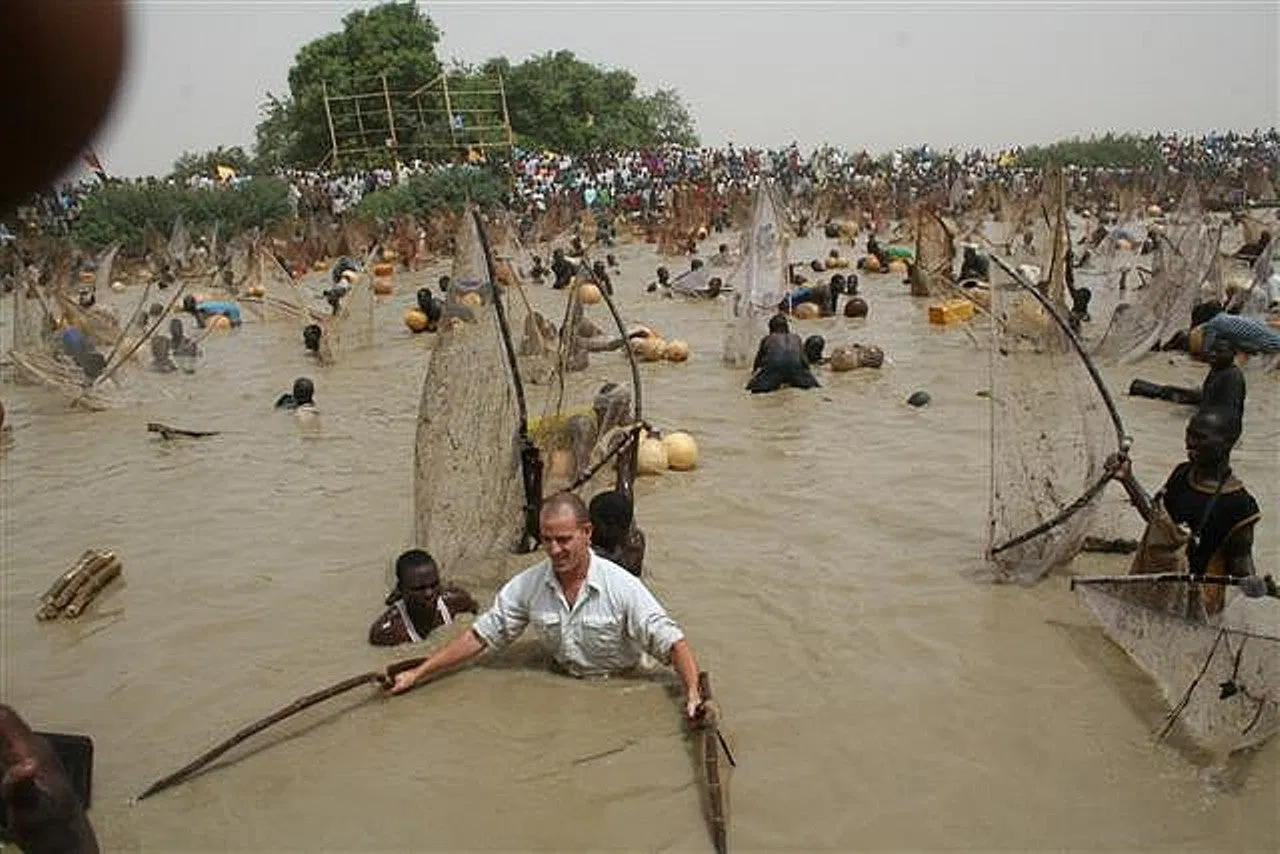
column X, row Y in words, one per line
column 759, row 283
column 469, row 495
column 523, row 397
column 1221, row 679
column 1155, row 311
column 1051, row 432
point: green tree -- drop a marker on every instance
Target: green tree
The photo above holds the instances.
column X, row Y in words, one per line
column 560, row 102
column 205, row 163
column 670, row 119
column 121, row 211
column 396, row 40
column 275, row 134
column 1109, row 151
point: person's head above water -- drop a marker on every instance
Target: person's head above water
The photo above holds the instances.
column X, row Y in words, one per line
column 189, row 303
column 813, row 347
column 664, row 275
column 1223, row 352
column 1211, row 433
column 611, row 516
column 564, row 524
column 444, row 283
column 778, row 324
column 303, row 391
column 311, row 337
column 1205, row 311
column 176, row 331
column 93, row 364
column 417, row 576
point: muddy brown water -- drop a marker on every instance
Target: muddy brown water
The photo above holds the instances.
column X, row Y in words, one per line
column 824, row 559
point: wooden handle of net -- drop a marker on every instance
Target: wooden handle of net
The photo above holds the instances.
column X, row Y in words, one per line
column 380, row 677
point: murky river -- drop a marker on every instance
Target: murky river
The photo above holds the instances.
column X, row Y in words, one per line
column 822, row 560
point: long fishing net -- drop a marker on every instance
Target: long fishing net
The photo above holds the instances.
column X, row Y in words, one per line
column 1051, row 433
column 352, row 328
column 179, row 243
column 759, row 283
column 584, row 418
column 931, row 272
column 469, row 493
column 1158, row 309
column 1220, row 679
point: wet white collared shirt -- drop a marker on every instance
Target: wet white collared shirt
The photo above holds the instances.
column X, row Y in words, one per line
column 615, row 619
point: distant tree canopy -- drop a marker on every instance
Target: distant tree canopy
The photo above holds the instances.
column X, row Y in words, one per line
column 1110, row 151
column 194, row 163
column 121, row 212
column 555, row 100
column 560, row 102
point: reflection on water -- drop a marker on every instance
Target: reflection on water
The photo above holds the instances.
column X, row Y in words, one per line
column 821, row 558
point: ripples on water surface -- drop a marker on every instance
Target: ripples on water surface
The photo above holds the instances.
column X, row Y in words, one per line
column 822, row 559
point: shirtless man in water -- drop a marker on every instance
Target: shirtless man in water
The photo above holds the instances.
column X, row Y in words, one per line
column 418, row 604
column 780, row 360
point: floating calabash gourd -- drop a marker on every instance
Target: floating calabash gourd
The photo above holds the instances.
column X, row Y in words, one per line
column 589, row 294
column 676, row 351
column 843, row 358
column 869, row 356
column 682, row 451
column 320, row 266
column 88, row 277
column 383, row 287
column 256, row 291
column 415, row 320
column 471, row 299
column 871, row 264
column 384, row 270
column 648, row 349
column 897, row 266
column 651, row 456
column 856, row 307
column 350, row 276
column 1154, row 210
column 1123, row 245
column 390, row 255
column 219, row 322
column 117, row 286
column 806, row 311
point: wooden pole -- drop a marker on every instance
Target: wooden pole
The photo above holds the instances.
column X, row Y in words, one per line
column 380, row 677
column 506, row 116
column 328, row 114
column 448, row 108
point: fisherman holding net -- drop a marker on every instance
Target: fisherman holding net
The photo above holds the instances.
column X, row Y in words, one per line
column 1203, row 517
column 591, row 615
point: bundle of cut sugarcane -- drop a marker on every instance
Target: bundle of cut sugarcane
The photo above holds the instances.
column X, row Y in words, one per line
column 75, row 589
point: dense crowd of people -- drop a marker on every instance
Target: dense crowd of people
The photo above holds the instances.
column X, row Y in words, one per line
column 642, row 179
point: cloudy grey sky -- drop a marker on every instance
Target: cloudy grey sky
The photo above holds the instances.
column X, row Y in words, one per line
column 857, row 75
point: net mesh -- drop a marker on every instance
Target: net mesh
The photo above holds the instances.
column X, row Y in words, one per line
column 583, row 412
column 468, row 490
column 1182, row 263
column 1050, row 436
column 760, row 281
column 1193, row 661
column 931, row 273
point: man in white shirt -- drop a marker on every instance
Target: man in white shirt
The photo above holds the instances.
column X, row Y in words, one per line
column 592, row 615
